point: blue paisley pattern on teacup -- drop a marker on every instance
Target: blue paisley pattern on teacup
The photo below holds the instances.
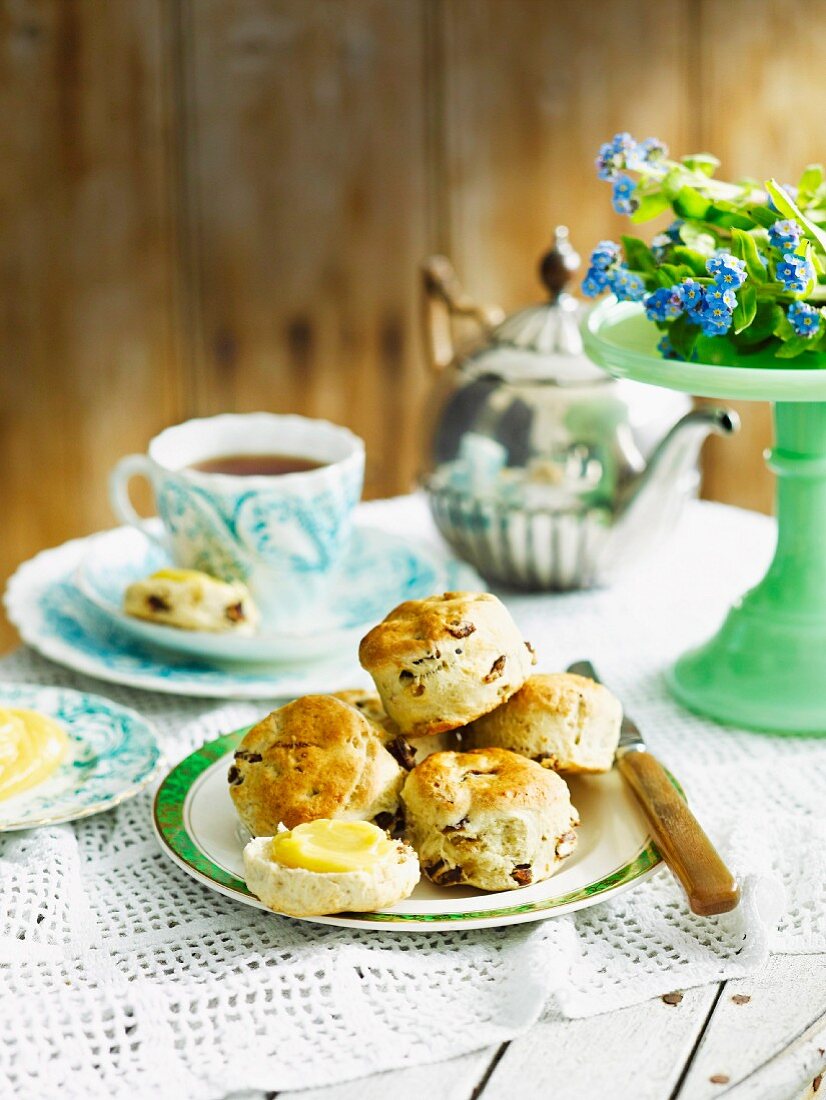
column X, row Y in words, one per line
column 227, row 534
column 113, row 751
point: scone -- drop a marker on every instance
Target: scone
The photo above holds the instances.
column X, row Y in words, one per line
column 191, row 600
column 441, row 662
column 566, row 722
column 488, row 818
column 369, row 703
column 341, row 866
column 316, row 757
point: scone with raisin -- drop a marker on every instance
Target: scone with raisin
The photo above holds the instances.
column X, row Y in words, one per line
column 190, row 600
column 488, row 818
column 566, row 722
column 407, row 753
column 441, row 662
column 314, row 758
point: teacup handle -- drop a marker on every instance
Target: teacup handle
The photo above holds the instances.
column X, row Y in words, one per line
column 131, row 466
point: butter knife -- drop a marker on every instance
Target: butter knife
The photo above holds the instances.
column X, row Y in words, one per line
column 710, row 886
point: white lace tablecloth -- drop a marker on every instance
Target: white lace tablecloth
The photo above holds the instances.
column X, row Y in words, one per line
column 122, row 977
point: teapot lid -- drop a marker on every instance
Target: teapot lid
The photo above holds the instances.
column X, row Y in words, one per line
column 543, row 341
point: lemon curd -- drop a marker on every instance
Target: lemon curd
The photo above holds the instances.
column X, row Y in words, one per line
column 331, row 846
column 32, row 747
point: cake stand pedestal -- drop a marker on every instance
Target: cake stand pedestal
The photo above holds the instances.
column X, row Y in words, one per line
column 766, row 667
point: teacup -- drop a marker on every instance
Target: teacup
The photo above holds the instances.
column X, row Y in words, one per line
column 284, row 535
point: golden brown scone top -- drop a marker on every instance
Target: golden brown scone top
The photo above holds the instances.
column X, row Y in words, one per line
column 562, row 692
column 315, row 757
column 482, row 779
column 416, row 623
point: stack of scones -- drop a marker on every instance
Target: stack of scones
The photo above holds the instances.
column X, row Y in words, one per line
column 455, row 759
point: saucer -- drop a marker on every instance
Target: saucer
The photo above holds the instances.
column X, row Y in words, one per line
column 55, row 618
column 113, row 754
column 378, row 572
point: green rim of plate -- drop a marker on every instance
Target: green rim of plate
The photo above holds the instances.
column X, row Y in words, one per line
column 169, row 823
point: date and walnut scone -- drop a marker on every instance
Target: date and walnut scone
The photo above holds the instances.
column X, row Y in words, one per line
column 566, row 722
column 317, row 757
column 488, row 818
column 190, row 600
column 441, row 662
column 286, row 885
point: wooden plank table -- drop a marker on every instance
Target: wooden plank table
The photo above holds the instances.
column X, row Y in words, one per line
column 758, row 1038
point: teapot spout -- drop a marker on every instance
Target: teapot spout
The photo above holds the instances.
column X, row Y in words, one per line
column 673, row 464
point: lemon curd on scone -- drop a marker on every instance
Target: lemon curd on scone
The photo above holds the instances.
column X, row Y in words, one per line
column 328, row 866
column 32, row 747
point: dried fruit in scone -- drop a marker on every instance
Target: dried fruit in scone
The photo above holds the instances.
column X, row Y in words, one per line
column 314, row 758
column 488, row 818
column 406, row 752
column 566, row 722
column 330, row 867
column 441, row 662
column 191, row 600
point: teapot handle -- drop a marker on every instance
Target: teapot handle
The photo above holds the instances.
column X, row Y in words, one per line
column 443, row 299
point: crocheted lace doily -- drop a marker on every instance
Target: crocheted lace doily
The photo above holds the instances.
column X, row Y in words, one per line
column 124, row 977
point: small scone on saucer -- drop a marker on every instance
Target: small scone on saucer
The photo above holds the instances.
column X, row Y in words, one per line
column 441, row 662
column 563, row 721
column 488, row 818
column 317, row 757
column 330, row 867
column 190, row 600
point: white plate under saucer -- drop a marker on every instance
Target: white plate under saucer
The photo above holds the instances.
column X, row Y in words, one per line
column 52, row 615
column 378, row 571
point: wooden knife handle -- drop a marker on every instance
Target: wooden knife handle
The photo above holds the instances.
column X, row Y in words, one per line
column 710, row 886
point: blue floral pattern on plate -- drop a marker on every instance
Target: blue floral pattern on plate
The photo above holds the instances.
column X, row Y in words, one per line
column 56, row 619
column 113, row 753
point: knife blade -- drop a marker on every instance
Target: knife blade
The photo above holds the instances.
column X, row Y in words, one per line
column 686, row 849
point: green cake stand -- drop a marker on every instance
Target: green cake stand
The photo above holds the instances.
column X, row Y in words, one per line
column 766, row 667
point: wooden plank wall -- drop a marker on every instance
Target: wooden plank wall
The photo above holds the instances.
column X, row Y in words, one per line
column 221, row 204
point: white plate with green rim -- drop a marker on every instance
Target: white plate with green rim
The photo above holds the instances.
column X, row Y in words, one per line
column 113, row 753
column 197, row 827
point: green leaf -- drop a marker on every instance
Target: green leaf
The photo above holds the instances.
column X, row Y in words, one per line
column 767, row 317
column 698, row 238
column 810, row 180
column 689, row 203
column 744, row 247
column 650, row 206
column 674, row 273
column 690, row 258
column 793, row 347
column 673, row 181
column 717, row 350
column 785, row 204
column 706, row 163
column 746, row 308
column 763, row 215
column 638, row 255
column 728, row 214
column 682, row 336
column 783, row 328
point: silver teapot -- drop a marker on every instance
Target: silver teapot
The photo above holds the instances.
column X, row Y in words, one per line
column 543, row 471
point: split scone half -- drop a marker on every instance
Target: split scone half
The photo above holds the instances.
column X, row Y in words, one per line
column 330, row 867
column 317, row 757
column 566, row 722
column 488, row 818
column 190, row 600
column 441, row 662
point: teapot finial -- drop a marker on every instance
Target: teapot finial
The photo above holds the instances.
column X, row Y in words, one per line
column 559, row 263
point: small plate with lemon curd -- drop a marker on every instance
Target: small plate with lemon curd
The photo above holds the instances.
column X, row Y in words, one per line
column 67, row 754
column 198, row 829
